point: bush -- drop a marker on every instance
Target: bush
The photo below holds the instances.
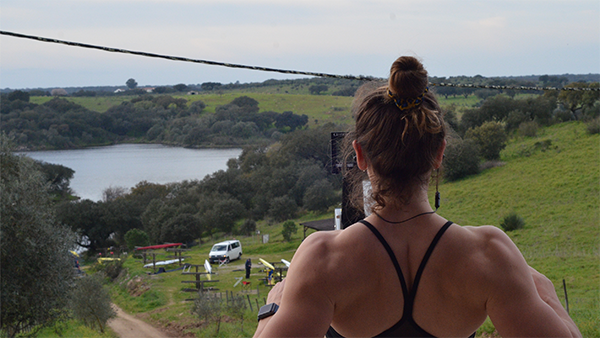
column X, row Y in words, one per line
column 319, row 196
column 210, row 309
column 512, row 222
column 91, row 303
column 289, row 228
column 461, row 159
column 110, row 269
column 593, row 126
column 561, row 115
column 528, row 129
column 248, row 227
column 236, row 307
column 136, row 237
column 282, row 208
column 490, row 137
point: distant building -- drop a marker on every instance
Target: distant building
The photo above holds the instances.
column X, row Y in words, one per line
column 192, row 93
column 119, row 91
column 149, row 89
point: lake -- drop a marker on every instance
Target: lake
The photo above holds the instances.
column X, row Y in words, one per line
column 125, row 165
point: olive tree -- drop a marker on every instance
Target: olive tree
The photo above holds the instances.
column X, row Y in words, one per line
column 91, row 303
column 490, row 137
column 36, row 266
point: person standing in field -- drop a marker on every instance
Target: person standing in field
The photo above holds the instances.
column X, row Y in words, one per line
column 248, row 266
column 405, row 271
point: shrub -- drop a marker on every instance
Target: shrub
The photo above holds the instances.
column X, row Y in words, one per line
column 110, row 269
column 210, row 309
column 236, row 307
column 593, row 126
column 282, row 208
column 248, row 227
column 319, row 196
column 561, row 115
column 512, row 222
column 136, row 237
column 490, row 137
column 528, row 129
column 289, row 228
column 515, row 119
column 91, row 303
column 461, row 159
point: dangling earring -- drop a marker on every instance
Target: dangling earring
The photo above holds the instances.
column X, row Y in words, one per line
column 437, row 192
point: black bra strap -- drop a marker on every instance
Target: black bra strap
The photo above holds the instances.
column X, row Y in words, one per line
column 393, row 258
column 436, row 239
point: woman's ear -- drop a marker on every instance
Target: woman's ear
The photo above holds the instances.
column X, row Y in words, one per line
column 361, row 161
column 440, row 155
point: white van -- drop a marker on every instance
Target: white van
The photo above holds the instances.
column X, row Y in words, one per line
column 225, row 251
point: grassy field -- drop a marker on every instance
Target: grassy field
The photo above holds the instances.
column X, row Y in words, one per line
column 320, row 109
column 551, row 180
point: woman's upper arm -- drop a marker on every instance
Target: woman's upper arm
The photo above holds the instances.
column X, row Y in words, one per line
column 306, row 309
column 514, row 305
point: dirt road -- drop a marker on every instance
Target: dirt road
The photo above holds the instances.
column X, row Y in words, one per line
column 127, row 326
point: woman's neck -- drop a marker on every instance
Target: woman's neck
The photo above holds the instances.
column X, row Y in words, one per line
column 418, row 205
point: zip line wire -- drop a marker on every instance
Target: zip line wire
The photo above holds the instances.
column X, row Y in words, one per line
column 267, row 69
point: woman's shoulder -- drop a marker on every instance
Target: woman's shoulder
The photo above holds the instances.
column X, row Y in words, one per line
column 487, row 248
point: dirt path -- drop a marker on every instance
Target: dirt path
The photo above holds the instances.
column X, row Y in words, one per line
column 127, row 326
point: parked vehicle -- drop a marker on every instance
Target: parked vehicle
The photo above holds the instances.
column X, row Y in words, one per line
column 225, row 251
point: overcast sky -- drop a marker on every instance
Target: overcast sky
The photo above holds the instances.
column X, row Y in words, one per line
column 453, row 37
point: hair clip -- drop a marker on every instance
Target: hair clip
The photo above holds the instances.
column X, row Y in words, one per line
column 405, row 104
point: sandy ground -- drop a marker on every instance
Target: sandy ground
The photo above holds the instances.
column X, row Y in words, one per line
column 127, row 326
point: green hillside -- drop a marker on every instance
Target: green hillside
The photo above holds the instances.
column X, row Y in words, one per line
column 554, row 186
column 551, row 181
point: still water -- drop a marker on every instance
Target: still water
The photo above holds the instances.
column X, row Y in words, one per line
column 125, row 165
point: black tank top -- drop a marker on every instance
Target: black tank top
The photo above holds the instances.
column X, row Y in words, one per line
column 406, row 326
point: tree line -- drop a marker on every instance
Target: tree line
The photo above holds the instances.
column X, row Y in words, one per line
column 61, row 124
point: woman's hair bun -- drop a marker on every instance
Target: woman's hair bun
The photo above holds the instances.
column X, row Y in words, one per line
column 408, row 78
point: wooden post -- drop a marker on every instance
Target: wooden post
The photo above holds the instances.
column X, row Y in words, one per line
column 566, row 297
column 249, row 302
column 153, row 262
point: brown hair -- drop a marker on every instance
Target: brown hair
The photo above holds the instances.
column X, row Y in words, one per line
column 400, row 145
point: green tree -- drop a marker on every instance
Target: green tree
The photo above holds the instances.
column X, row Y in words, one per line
column 461, row 159
column 91, row 304
column 36, row 266
column 319, row 196
column 282, row 208
column 131, row 83
column 248, row 227
column 575, row 100
column 59, row 178
column 317, row 89
column 18, row 95
column 289, row 228
column 491, row 139
column 180, row 87
column 86, row 219
column 136, row 237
